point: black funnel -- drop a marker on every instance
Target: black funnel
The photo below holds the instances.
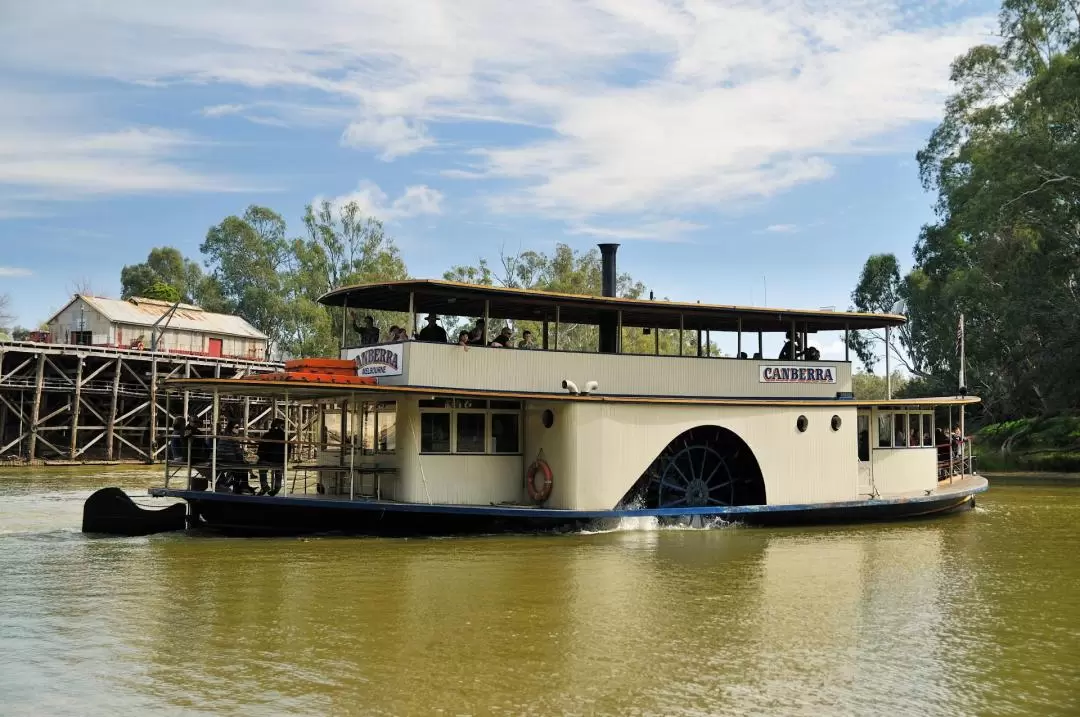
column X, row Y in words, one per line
column 609, row 339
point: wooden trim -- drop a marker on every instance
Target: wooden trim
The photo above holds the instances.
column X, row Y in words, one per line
column 316, row 391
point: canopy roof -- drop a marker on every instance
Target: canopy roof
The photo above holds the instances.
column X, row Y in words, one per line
column 457, row 299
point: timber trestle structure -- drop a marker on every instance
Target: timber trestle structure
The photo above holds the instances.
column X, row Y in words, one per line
column 83, row 403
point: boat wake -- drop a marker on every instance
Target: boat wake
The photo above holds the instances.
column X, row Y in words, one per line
column 649, row 524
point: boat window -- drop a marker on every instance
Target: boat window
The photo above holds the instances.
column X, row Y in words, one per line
column 915, row 430
column 928, row 429
column 386, row 428
column 864, row 437
column 470, row 432
column 884, row 430
column 505, row 432
column 434, row 432
column 900, row 425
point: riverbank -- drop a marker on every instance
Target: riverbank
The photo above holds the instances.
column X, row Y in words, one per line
column 1030, row 446
column 1030, row 478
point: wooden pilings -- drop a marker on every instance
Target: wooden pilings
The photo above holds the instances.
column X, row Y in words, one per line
column 60, row 402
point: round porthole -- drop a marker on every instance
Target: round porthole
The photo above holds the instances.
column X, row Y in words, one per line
column 802, row 423
column 548, row 418
column 836, row 423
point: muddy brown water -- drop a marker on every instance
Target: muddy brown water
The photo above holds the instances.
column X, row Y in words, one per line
column 972, row 614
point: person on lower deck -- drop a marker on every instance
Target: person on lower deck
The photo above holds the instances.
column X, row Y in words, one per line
column 230, row 455
column 272, row 452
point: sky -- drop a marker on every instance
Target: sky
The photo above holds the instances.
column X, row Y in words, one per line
column 747, row 151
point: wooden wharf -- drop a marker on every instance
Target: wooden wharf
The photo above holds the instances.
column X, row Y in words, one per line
column 95, row 403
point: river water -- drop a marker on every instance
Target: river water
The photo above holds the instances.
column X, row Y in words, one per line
column 974, row 614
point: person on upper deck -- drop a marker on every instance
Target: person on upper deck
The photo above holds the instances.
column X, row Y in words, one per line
column 527, row 342
column 432, row 332
column 369, row 332
column 397, row 334
column 504, row 340
column 476, row 336
column 792, row 349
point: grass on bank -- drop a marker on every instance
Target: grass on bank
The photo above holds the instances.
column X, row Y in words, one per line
column 1030, row 444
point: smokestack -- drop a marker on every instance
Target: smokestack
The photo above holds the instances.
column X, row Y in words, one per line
column 608, row 276
column 609, row 325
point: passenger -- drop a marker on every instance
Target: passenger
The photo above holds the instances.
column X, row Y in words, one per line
column 230, row 455
column 476, row 336
column 792, row 349
column 742, row 354
column 527, row 341
column 369, row 332
column 397, row 334
column 463, row 339
column 504, row 340
column 432, row 332
column 812, row 354
column 272, row 453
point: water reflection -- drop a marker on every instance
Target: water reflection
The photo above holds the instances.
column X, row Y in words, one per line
column 937, row 617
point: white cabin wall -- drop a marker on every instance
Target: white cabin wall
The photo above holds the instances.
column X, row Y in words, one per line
column 451, row 366
column 904, row 470
column 451, row 479
column 606, row 448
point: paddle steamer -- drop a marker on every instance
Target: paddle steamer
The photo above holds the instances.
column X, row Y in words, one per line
column 422, row 437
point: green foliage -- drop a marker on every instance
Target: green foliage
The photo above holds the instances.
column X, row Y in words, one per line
column 162, row 292
column 1046, row 444
column 870, row 387
column 1005, row 250
column 165, row 265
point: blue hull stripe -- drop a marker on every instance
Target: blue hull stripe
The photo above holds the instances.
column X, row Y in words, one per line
column 941, row 497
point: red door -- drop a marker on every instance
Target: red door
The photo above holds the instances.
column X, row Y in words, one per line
column 215, row 347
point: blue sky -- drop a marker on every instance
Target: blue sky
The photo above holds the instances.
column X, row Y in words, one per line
column 727, row 146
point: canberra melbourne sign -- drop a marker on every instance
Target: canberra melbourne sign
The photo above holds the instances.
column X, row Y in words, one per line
column 797, row 374
column 380, row 361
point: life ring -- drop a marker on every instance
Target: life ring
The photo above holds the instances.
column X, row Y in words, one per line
column 538, row 496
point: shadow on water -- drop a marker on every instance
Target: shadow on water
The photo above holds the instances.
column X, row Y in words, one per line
column 932, row 617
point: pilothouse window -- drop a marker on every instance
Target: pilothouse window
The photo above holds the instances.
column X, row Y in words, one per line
column 478, row 426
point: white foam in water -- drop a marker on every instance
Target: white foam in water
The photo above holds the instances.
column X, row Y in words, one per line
column 649, row 524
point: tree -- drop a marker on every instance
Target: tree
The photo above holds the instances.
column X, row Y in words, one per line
column 6, row 316
column 163, row 292
column 166, row 265
column 246, row 256
column 1005, row 249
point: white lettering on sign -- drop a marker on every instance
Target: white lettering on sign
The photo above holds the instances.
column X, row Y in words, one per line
column 797, row 374
column 380, row 361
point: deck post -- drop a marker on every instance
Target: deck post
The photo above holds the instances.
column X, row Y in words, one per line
column 847, row 344
column 487, row 318
column 344, row 324
column 545, row 339
column 187, row 394
column 738, row 344
column 760, row 345
column 618, row 331
column 153, row 408
column 110, row 429
column 35, row 410
column 681, row 329
column 888, row 372
column 352, row 447
column 948, row 435
column 656, row 341
column 699, row 343
column 285, row 465
column 76, row 406
column 794, row 340
column 412, row 314
column 708, row 344
column 556, row 327
column 215, row 415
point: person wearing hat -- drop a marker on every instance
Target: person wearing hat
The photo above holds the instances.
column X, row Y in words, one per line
column 432, row 332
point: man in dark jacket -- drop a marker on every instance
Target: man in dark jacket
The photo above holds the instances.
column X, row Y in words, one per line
column 432, row 332
column 272, row 452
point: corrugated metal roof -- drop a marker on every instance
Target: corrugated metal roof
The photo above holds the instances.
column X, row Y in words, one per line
column 144, row 312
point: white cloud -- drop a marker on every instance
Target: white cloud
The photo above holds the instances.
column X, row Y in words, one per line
column 668, row 230
column 782, row 228
column 671, row 105
column 45, row 155
column 393, row 137
column 417, row 199
column 14, row 271
column 221, row 110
